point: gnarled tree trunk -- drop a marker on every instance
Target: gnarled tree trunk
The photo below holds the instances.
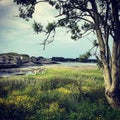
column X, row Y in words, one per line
column 113, row 92
column 112, row 89
column 110, row 59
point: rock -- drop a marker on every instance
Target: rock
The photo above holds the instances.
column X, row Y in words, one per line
column 33, row 59
column 30, row 64
column 9, row 61
column 24, row 58
column 41, row 60
column 14, row 60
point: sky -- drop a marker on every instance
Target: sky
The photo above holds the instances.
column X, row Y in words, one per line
column 17, row 35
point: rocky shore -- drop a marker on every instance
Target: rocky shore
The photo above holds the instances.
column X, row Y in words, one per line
column 22, row 64
column 15, row 60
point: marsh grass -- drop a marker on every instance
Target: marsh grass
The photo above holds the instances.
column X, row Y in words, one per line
column 58, row 94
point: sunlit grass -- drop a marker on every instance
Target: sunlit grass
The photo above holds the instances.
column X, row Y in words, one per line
column 56, row 94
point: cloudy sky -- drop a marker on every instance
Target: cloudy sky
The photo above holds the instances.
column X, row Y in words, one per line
column 17, row 35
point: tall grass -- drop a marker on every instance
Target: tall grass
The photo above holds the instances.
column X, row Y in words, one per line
column 57, row 94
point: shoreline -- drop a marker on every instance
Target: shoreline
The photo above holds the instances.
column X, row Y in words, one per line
column 31, row 69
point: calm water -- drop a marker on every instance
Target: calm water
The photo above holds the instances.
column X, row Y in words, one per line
column 76, row 64
column 6, row 74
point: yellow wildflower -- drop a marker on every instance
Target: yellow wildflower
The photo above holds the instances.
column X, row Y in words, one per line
column 64, row 90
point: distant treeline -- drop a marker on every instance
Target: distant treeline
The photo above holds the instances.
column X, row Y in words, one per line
column 62, row 59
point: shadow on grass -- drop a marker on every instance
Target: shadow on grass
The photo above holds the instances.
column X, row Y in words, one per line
column 3, row 92
column 12, row 112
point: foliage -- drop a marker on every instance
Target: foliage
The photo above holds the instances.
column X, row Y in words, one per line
column 84, row 57
column 50, row 27
column 58, row 94
column 37, row 27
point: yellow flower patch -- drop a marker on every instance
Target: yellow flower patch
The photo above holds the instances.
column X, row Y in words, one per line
column 64, row 90
column 86, row 88
column 1, row 101
column 53, row 107
column 23, row 100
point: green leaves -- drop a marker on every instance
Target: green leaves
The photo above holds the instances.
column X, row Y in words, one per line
column 37, row 27
column 95, row 43
column 84, row 57
column 50, row 27
column 25, row 2
column 26, row 13
column 86, row 26
column 75, row 31
column 51, row 2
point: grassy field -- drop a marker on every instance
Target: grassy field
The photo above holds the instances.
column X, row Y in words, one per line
column 55, row 94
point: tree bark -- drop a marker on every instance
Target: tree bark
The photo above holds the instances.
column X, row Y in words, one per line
column 111, row 67
column 113, row 93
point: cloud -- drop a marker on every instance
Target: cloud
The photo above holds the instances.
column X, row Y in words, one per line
column 12, row 25
column 7, row 7
column 44, row 13
column 5, row 2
